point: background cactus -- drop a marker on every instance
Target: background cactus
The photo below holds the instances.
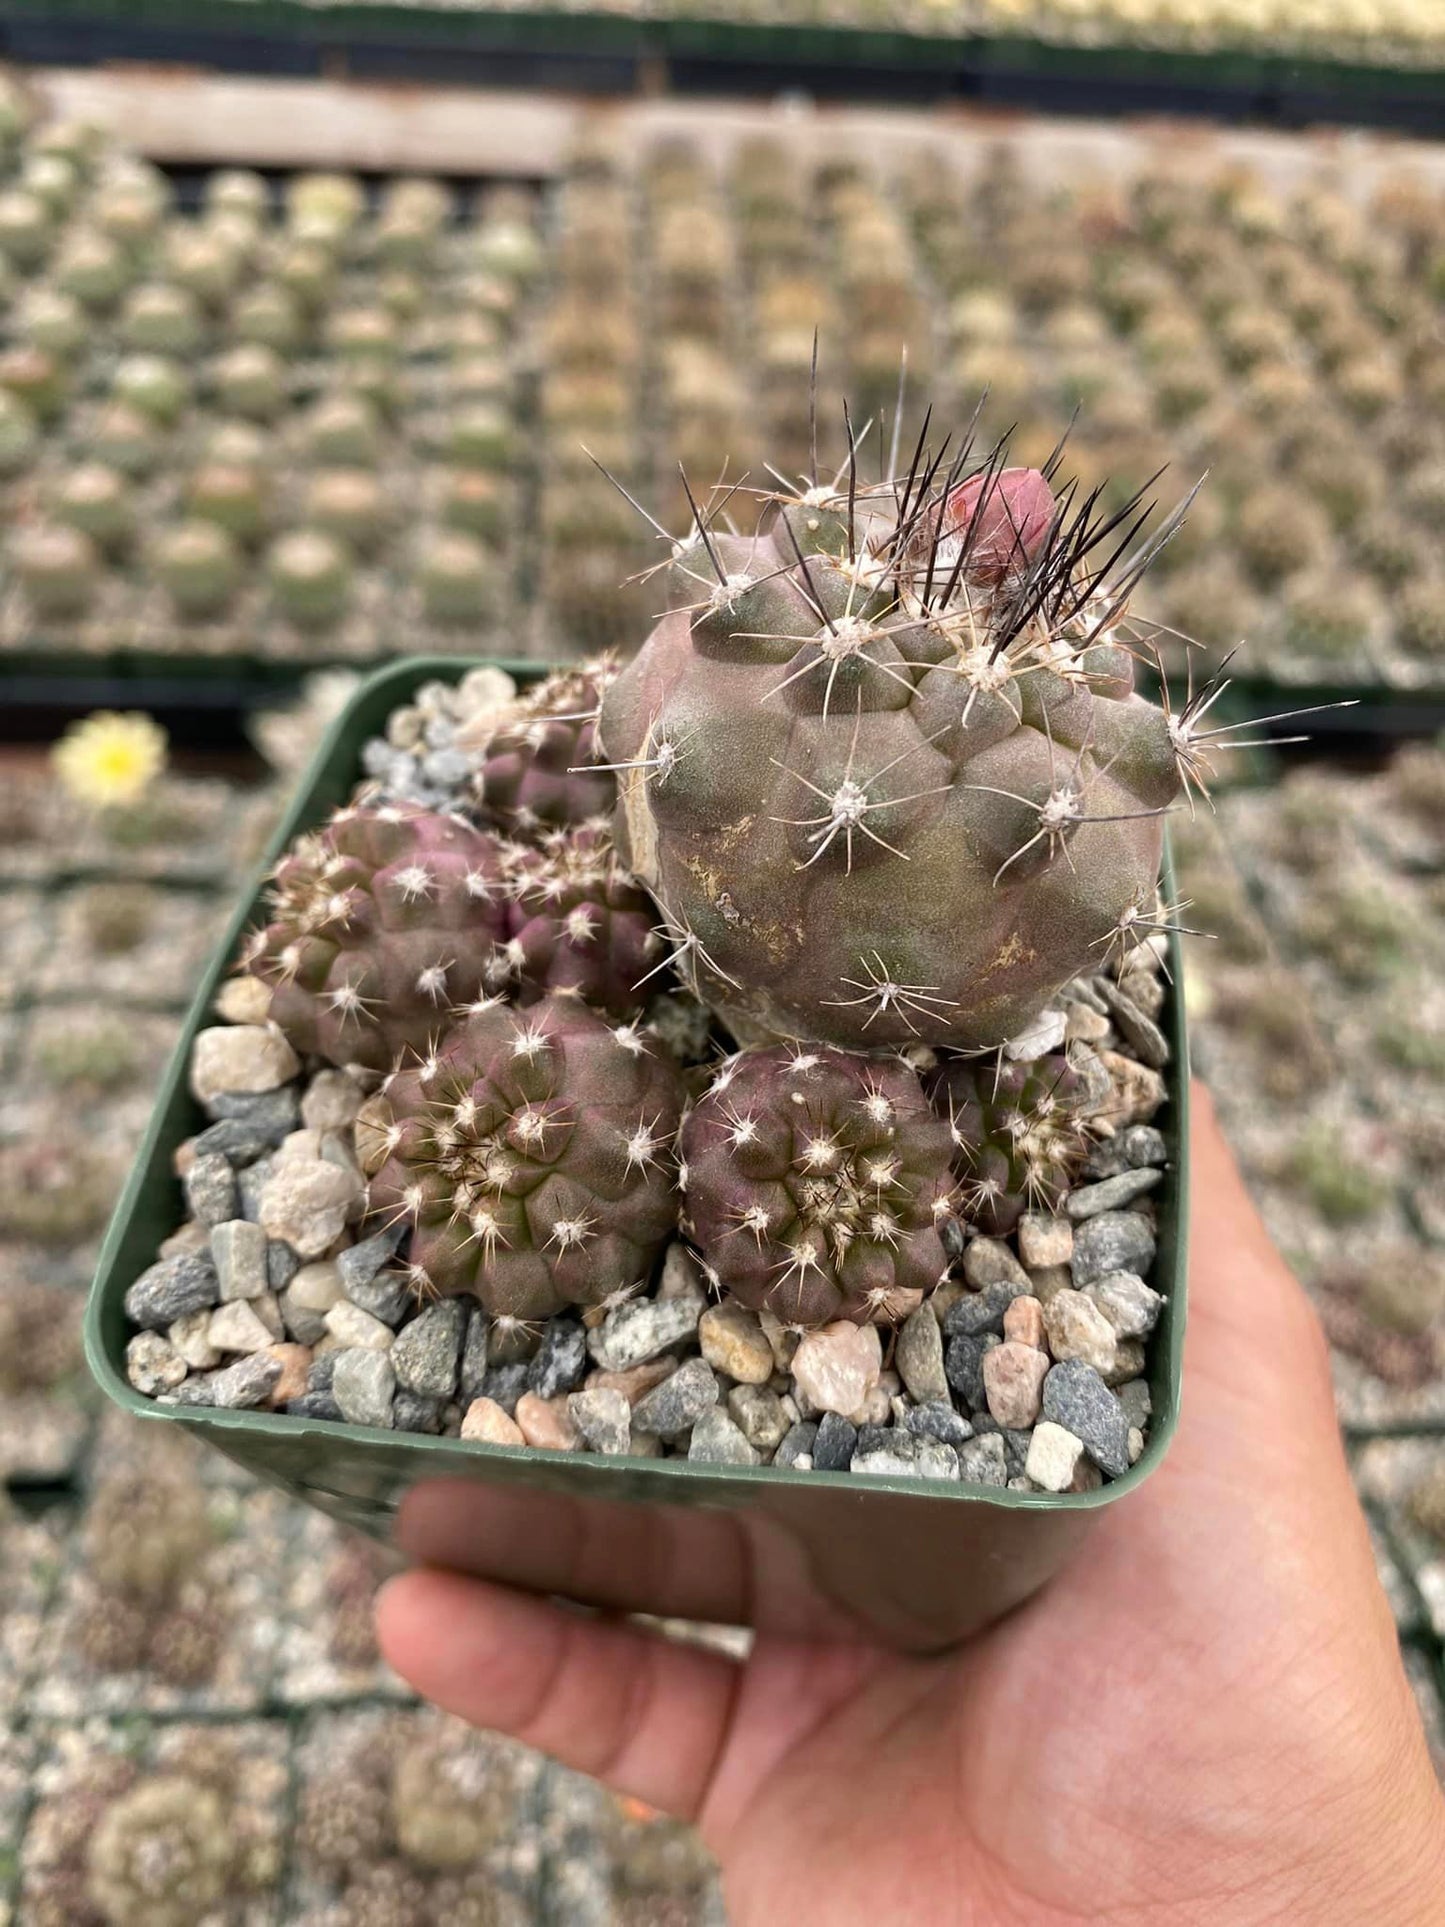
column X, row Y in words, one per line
column 815, row 1183
column 883, row 766
column 531, row 1153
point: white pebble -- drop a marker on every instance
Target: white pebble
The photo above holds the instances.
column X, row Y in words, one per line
column 354, row 1328
column 236, row 1328
column 1054, row 1454
column 240, row 1057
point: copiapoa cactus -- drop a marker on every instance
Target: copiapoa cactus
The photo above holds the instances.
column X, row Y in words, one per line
column 531, row 1153
column 540, row 768
column 381, row 924
column 883, row 765
column 815, row 1182
column 1019, row 1132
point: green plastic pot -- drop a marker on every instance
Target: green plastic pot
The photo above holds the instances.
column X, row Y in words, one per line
column 918, row 1564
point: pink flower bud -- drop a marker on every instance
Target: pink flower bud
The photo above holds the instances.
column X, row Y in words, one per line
column 1004, row 518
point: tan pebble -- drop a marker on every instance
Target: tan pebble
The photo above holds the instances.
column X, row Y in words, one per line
column 356, row 1329
column 636, row 1381
column 1138, row 1091
column 733, row 1341
column 236, row 1328
column 295, row 1363
column 1136, row 1444
column 783, row 1341
column 268, row 1310
column 183, row 1157
column 240, row 1057
column 1049, row 1280
column 945, row 1296
column 1078, row 1329
column 1023, row 1322
column 331, row 1101
column 485, row 1420
column 1087, row 1477
column 644, row 1445
column 306, row 1205
column 1129, row 1359
column 681, row 1274
column 546, row 1423
column 189, row 1337
column 190, row 1237
column 243, row 1000
column 1013, row 1383
column 1045, row 1240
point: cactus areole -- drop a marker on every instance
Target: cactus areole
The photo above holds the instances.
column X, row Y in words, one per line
column 883, row 765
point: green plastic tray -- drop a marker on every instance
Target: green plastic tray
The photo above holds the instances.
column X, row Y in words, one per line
column 919, row 1564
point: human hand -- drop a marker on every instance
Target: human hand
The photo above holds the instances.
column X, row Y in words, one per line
column 1203, row 1719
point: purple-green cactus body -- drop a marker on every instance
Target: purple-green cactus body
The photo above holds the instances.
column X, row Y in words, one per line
column 1019, row 1133
column 815, row 1184
column 381, row 924
column 884, row 770
column 578, row 923
column 540, row 771
column 532, row 1154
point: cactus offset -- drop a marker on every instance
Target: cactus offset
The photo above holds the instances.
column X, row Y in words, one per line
column 1019, row 1133
column 882, row 765
column 540, row 767
column 578, row 923
column 815, row 1183
column 531, row 1153
column 382, row 922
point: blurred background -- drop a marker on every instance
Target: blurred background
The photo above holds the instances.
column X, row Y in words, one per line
column 307, row 315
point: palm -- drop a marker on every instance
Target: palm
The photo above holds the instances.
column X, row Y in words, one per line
column 1154, row 1737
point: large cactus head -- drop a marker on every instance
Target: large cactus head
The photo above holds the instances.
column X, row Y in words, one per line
column 531, row 1153
column 883, row 765
column 815, row 1183
column 381, row 923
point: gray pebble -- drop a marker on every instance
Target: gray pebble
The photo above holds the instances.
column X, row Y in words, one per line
column 952, row 1237
column 834, row 1443
column 168, row 1290
column 314, row 1405
column 474, row 1355
column 983, row 1461
column 248, row 1382
column 447, row 769
column 982, row 1311
column 761, row 1415
column 1114, row 1241
column 363, row 1386
column 1016, row 1444
column 275, row 1114
column 938, row 1421
column 195, row 1390
column 716, row 1440
column 234, row 1139
column 678, row 1402
column 428, row 1350
column 411, row 1413
column 963, row 1362
column 1140, row 1032
column 604, row 1418
column 890, row 1453
column 387, row 1296
column 918, row 1355
column 1130, row 1306
column 321, row 1371
column 797, row 1443
column 1078, row 1399
column 644, row 1328
column 505, row 1384
column 559, row 1363
column 359, row 1264
column 251, row 1181
column 1109, row 1194
column 282, row 1264
column 238, row 1251
column 1137, row 1400
column 989, row 1261
column 1142, row 1144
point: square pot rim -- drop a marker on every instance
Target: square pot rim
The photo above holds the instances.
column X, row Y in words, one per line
column 442, row 1456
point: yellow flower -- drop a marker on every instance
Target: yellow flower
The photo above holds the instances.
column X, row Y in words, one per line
column 108, row 759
